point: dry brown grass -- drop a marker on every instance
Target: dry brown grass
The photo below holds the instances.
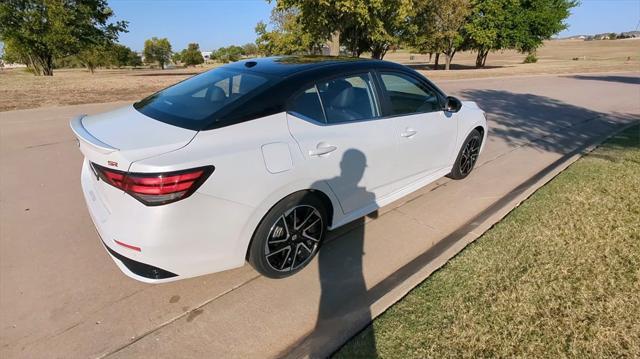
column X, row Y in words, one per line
column 555, row 57
column 21, row 90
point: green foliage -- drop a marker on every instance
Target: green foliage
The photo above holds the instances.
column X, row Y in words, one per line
column 530, row 59
column 120, row 56
column 41, row 30
column 362, row 26
column 191, row 56
column 442, row 26
column 93, row 56
column 176, row 57
column 250, row 49
column 228, row 54
column 13, row 54
column 538, row 20
column 489, row 27
column 157, row 50
column 438, row 26
column 287, row 35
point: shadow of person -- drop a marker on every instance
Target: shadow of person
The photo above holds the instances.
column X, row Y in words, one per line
column 343, row 297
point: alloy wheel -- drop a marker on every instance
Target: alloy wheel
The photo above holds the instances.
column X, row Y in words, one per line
column 294, row 238
column 469, row 155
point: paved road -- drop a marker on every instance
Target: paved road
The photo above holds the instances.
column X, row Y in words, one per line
column 61, row 295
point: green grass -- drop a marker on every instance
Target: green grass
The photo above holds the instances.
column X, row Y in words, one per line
column 559, row 276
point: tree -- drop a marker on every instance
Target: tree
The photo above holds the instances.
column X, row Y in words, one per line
column 42, row 30
column 250, row 49
column 538, row 20
column 120, row 55
column 449, row 16
column 176, row 57
column 490, row 27
column 157, row 50
column 287, row 35
column 93, row 56
column 361, row 25
column 191, row 56
column 228, row 54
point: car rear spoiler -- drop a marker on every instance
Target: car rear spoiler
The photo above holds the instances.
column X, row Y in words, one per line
column 83, row 135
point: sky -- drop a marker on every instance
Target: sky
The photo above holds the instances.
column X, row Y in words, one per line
column 216, row 23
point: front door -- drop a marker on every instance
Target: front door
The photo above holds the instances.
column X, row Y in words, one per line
column 426, row 136
column 337, row 126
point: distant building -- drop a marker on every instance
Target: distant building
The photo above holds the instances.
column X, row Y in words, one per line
column 206, row 55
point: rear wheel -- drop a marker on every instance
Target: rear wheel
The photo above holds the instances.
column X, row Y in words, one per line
column 468, row 156
column 289, row 235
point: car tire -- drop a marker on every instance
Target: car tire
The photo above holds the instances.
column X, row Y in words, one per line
column 289, row 235
column 467, row 156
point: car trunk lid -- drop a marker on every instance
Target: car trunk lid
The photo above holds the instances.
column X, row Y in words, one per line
column 118, row 138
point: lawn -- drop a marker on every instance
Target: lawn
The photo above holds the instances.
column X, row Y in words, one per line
column 558, row 277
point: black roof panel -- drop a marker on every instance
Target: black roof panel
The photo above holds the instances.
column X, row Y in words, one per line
column 284, row 66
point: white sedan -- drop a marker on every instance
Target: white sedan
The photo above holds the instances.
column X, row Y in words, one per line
column 254, row 161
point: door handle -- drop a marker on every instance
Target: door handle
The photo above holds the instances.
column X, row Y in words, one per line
column 322, row 149
column 408, row 133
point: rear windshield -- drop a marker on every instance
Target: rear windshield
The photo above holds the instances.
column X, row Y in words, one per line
column 194, row 103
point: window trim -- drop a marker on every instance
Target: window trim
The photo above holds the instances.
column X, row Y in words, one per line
column 387, row 100
column 375, row 92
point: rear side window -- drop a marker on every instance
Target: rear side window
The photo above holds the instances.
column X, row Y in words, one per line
column 307, row 104
column 347, row 99
column 197, row 100
column 408, row 95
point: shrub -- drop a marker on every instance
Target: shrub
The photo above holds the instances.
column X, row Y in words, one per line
column 530, row 59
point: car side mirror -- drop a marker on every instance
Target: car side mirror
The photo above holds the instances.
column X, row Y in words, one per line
column 453, row 104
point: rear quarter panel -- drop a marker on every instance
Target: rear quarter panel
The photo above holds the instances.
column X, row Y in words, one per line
column 241, row 173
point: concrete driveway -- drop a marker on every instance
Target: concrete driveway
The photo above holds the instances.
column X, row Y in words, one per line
column 62, row 296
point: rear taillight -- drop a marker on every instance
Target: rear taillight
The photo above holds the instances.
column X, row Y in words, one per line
column 154, row 189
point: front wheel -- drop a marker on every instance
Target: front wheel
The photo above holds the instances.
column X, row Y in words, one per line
column 468, row 156
column 288, row 236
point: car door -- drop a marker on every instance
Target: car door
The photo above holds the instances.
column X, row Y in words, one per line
column 338, row 127
column 425, row 134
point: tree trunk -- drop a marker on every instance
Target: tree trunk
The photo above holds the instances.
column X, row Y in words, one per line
column 378, row 52
column 437, row 61
column 481, row 58
column 47, row 65
column 334, row 44
column 430, row 56
column 448, row 57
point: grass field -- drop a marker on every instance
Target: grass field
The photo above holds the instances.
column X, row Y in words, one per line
column 20, row 90
column 558, row 277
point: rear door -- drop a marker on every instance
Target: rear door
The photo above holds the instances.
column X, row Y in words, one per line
column 426, row 136
column 338, row 127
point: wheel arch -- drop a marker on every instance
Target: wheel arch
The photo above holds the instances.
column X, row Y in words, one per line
column 324, row 194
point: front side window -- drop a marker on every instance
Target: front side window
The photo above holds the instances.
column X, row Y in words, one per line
column 196, row 100
column 347, row 99
column 407, row 95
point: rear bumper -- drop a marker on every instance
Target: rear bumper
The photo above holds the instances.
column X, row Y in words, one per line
column 138, row 269
column 195, row 236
